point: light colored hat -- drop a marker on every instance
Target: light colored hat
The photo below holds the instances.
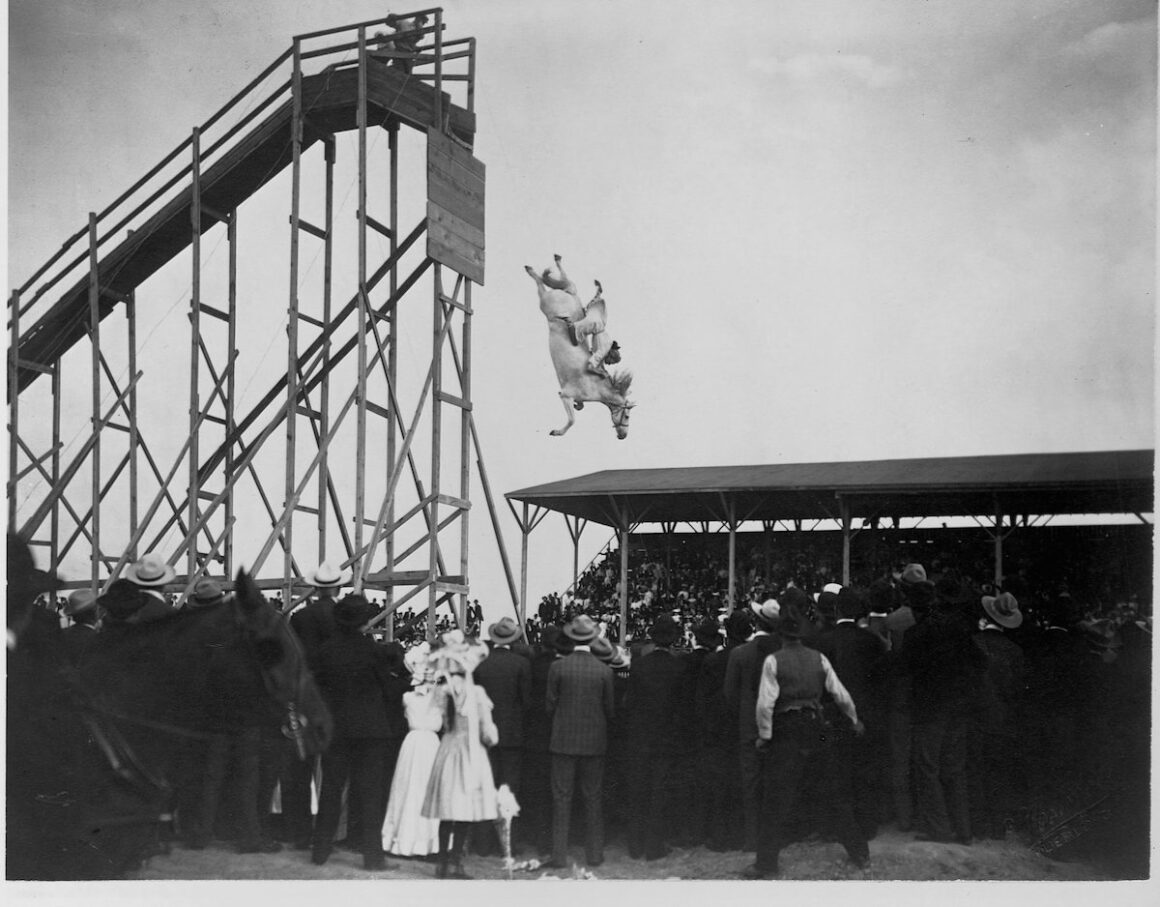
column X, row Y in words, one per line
column 602, row 649
column 914, row 573
column 768, row 610
column 329, row 574
column 504, row 631
column 1003, row 609
column 151, row 570
column 206, row 592
column 80, row 601
column 582, row 629
column 621, row 659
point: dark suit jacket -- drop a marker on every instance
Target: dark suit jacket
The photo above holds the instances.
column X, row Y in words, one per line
column 538, row 726
column 858, row 657
column 76, row 640
column 742, row 676
column 358, row 679
column 712, row 718
column 507, row 678
column 579, row 699
column 314, row 625
column 657, row 703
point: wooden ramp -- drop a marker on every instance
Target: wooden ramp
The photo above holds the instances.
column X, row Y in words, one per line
column 330, row 105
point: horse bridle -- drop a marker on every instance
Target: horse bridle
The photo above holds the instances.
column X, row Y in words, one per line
column 620, row 416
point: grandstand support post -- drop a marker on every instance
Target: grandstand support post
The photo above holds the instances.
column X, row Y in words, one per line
column 844, row 515
column 576, row 526
column 624, row 531
column 529, row 521
column 95, row 339
column 998, row 541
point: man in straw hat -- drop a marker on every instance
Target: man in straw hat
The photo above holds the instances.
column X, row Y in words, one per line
column 995, row 731
column 579, row 698
column 506, row 677
column 151, row 574
column 313, row 624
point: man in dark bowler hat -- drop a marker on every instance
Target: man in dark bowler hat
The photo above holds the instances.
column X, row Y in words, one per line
column 659, row 714
column 579, row 698
column 506, row 677
column 313, row 624
column 742, row 674
column 357, row 678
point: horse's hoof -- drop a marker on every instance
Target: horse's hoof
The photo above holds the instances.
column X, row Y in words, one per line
column 555, row 433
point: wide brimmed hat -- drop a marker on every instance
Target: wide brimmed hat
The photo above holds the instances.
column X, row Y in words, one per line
column 913, row 573
column 602, row 649
column 504, row 631
column 581, row 629
column 353, row 611
column 329, row 574
column 768, row 611
column 206, row 592
column 1003, row 609
column 621, row 659
column 151, row 570
column 80, row 601
column 828, row 599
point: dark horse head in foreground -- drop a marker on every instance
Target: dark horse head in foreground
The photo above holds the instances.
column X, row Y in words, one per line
column 93, row 748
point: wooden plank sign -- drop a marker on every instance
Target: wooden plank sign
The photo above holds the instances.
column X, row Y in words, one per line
column 455, row 192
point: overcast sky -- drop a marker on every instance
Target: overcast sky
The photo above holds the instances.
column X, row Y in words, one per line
column 826, row 230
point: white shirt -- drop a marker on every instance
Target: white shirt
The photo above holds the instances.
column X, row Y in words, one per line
column 769, row 690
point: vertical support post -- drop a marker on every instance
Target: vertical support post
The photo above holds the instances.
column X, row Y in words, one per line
column 324, row 388
column 525, row 529
column 95, row 376
column 844, row 515
column 231, row 386
column 998, row 541
column 731, row 515
column 439, row 69
column 363, row 312
column 393, row 351
column 194, row 352
column 13, row 405
column 54, row 517
column 465, row 446
column 292, row 320
column 574, row 530
column 623, row 577
column 436, row 439
column 134, row 432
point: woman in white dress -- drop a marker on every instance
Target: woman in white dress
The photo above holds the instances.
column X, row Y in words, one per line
column 461, row 790
column 406, row 832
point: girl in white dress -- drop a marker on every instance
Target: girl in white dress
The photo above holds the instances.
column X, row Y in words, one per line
column 406, row 832
column 461, row 789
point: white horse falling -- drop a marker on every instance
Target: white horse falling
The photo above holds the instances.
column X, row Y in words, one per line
column 579, row 367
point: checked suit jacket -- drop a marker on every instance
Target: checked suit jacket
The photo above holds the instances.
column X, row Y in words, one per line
column 579, row 699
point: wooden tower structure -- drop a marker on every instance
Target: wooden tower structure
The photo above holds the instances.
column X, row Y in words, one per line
column 358, row 452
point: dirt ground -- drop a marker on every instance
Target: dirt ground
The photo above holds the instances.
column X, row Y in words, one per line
column 894, row 856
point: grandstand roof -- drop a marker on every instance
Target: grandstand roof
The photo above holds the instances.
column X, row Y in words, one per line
column 1119, row 481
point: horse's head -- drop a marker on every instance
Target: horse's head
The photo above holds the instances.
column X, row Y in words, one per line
column 284, row 669
column 618, row 404
column 620, row 416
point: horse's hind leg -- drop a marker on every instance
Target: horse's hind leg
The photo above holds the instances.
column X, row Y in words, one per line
column 557, row 432
column 536, row 277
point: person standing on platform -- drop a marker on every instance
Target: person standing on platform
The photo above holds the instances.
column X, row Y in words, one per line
column 506, row 677
column 579, row 698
